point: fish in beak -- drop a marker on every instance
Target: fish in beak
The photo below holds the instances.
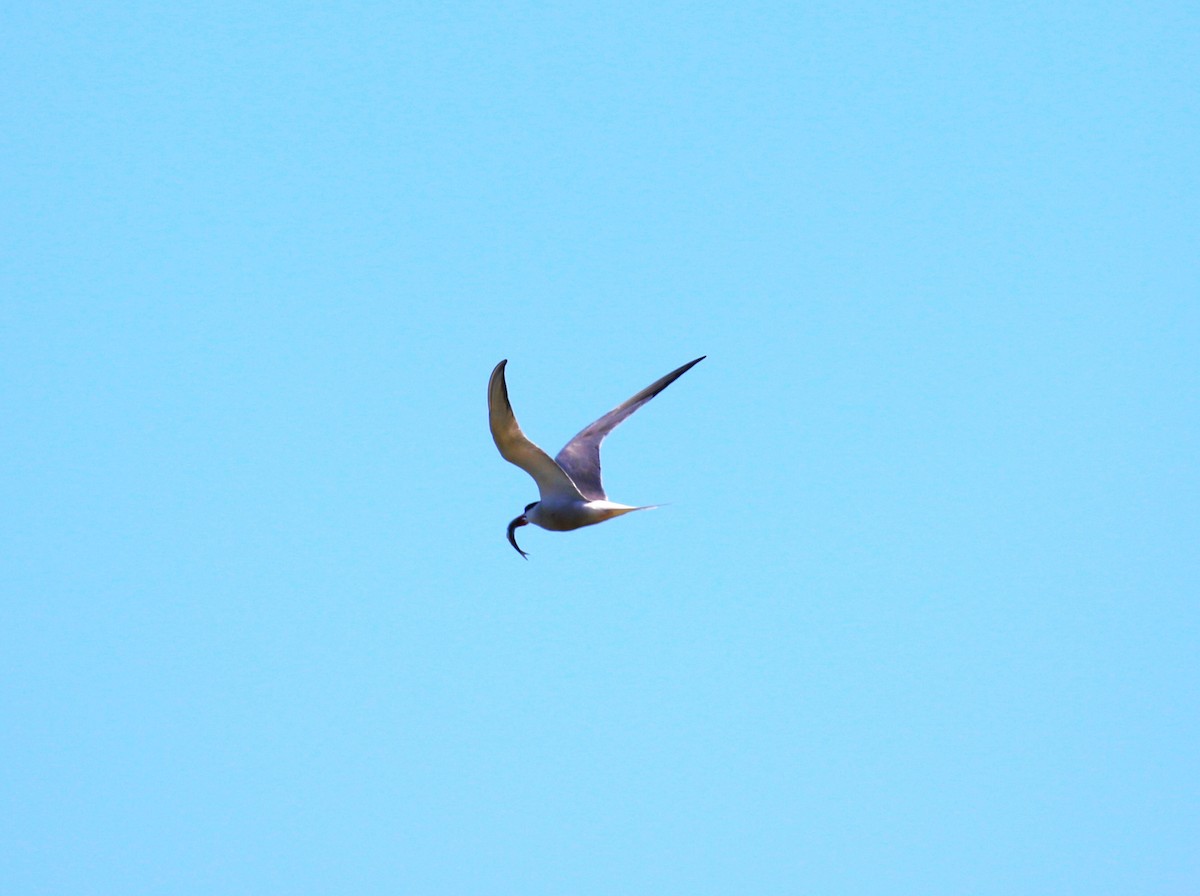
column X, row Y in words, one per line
column 512, row 527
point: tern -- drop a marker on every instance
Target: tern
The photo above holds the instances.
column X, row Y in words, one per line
column 569, row 488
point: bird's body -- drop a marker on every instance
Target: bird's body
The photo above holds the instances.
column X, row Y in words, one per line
column 563, row 515
column 571, row 493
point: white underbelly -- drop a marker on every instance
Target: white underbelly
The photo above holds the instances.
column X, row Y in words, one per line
column 576, row 514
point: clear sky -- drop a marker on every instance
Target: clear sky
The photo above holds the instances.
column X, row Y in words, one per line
column 921, row 615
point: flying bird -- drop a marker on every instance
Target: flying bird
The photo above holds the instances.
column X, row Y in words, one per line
column 570, row 492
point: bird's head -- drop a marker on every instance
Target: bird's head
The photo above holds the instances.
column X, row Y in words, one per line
column 522, row 520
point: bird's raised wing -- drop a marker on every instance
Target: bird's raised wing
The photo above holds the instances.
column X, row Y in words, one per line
column 580, row 457
column 516, row 448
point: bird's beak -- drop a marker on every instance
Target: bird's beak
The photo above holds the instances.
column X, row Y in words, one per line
column 512, row 527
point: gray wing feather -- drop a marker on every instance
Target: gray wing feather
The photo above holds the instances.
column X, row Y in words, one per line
column 515, row 447
column 580, row 457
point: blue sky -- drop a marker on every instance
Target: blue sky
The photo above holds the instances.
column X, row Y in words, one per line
column 921, row 615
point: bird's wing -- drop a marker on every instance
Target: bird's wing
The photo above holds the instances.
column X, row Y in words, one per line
column 580, row 457
column 516, row 448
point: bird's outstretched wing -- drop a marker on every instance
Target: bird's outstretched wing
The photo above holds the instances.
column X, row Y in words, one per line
column 516, row 448
column 580, row 457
